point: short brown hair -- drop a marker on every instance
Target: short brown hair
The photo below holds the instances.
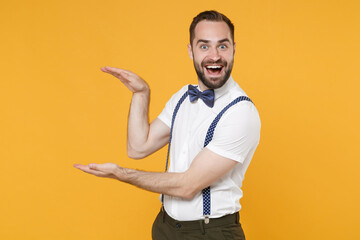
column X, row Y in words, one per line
column 212, row 16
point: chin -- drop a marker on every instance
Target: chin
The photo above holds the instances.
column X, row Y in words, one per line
column 214, row 83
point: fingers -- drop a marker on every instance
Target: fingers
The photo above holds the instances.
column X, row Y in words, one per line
column 109, row 69
column 116, row 71
column 126, row 74
column 123, row 75
column 132, row 81
column 93, row 166
column 91, row 169
column 99, row 170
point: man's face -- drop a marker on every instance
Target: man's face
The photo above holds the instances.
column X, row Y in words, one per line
column 212, row 51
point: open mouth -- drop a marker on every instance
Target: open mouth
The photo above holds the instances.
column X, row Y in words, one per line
column 214, row 69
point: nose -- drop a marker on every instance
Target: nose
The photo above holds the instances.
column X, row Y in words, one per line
column 214, row 54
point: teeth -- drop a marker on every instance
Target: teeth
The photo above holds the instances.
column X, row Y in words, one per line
column 213, row 67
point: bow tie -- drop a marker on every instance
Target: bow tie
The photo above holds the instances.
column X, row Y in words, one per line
column 207, row 96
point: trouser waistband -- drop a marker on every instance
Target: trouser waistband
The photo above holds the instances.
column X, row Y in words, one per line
column 200, row 224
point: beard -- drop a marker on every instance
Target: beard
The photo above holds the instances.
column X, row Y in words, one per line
column 211, row 82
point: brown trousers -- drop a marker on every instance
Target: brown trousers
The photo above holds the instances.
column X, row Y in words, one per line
column 224, row 228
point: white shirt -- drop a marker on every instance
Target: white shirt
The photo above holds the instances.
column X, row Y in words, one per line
column 236, row 137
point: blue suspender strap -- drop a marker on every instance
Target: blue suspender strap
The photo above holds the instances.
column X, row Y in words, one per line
column 181, row 100
column 208, row 138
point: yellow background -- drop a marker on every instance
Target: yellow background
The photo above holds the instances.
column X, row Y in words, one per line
column 298, row 60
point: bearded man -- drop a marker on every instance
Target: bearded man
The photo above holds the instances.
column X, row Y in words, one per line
column 212, row 130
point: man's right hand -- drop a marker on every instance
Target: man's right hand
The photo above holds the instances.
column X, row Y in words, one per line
column 132, row 81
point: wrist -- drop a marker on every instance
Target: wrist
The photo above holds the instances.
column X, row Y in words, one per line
column 119, row 173
column 123, row 174
column 143, row 95
column 144, row 91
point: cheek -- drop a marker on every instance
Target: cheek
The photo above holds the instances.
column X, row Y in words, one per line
column 198, row 56
column 197, row 60
column 229, row 56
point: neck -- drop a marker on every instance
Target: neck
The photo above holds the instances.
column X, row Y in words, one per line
column 202, row 86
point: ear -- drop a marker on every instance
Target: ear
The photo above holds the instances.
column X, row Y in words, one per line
column 190, row 51
column 234, row 47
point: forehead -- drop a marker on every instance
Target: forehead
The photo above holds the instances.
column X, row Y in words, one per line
column 211, row 31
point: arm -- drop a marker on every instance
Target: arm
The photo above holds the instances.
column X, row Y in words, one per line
column 143, row 138
column 205, row 169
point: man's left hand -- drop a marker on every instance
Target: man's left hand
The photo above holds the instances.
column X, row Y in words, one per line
column 108, row 170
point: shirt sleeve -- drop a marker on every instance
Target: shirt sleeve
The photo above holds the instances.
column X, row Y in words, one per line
column 237, row 133
column 166, row 115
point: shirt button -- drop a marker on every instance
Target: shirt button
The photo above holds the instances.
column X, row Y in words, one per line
column 178, row 225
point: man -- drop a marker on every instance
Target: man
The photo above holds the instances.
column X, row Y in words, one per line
column 203, row 152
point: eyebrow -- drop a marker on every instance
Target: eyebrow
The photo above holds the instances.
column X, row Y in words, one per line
column 224, row 40
column 207, row 41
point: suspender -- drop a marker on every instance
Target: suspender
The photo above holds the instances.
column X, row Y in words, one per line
column 181, row 100
column 208, row 138
column 172, row 125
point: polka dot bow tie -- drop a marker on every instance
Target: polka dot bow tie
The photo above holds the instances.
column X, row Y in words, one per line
column 207, row 96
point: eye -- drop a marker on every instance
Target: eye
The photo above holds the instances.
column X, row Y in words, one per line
column 204, row 47
column 223, row 46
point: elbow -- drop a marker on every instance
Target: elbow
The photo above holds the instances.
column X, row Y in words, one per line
column 188, row 187
column 134, row 154
column 188, row 195
column 188, row 192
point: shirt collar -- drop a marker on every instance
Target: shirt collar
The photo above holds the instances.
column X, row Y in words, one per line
column 230, row 83
column 225, row 88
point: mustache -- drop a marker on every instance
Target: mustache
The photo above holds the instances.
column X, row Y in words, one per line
column 220, row 62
